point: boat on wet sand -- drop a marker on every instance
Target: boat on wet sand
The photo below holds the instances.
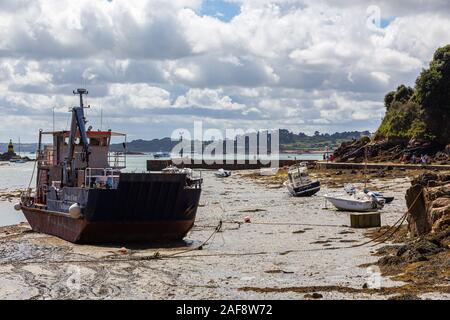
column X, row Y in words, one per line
column 82, row 195
column 299, row 184
column 358, row 202
column 221, row 173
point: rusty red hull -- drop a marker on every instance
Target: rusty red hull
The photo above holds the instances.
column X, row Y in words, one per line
column 83, row 231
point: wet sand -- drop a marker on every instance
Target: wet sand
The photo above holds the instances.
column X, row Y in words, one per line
column 288, row 258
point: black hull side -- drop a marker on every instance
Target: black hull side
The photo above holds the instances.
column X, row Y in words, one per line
column 144, row 197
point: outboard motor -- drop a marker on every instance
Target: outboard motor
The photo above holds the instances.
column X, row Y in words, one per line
column 350, row 189
column 378, row 200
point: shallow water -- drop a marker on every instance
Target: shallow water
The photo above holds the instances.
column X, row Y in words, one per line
column 14, row 176
column 9, row 216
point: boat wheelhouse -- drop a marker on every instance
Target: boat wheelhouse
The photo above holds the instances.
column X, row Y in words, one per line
column 102, row 162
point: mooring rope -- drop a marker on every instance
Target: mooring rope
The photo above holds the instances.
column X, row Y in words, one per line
column 31, row 178
column 396, row 225
column 200, row 247
column 156, row 255
column 285, row 224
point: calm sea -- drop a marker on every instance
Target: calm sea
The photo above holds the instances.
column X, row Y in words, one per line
column 17, row 176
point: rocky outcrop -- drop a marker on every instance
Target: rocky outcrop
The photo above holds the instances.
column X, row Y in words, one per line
column 422, row 259
column 428, row 200
column 389, row 150
column 7, row 156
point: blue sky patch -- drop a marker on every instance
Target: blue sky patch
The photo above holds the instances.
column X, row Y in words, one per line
column 384, row 22
column 219, row 9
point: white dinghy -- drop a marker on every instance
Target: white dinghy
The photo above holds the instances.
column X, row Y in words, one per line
column 358, row 202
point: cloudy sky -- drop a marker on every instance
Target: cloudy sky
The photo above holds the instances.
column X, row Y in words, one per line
column 154, row 66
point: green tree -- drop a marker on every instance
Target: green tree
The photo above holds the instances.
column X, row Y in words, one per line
column 388, row 99
column 403, row 94
column 433, row 94
column 425, row 110
column 403, row 120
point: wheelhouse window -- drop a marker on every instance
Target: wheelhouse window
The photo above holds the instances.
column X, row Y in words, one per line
column 99, row 142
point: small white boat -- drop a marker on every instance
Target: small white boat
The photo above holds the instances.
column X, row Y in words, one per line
column 221, row 173
column 160, row 154
column 268, row 171
column 358, row 202
column 17, row 159
column 299, row 184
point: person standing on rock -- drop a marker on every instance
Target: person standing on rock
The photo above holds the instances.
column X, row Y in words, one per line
column 423, row 160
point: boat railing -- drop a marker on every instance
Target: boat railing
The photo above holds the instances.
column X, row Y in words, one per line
column 27, row 197
column 196, row 179
column 102, row 177
column 117, row 160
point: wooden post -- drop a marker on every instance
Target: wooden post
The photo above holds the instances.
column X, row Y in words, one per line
column 365, row 220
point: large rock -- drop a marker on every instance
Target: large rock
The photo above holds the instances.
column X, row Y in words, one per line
column 428, row 200
column 384, row 150
column 392, row 149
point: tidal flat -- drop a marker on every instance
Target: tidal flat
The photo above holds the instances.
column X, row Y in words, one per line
column 292, row 248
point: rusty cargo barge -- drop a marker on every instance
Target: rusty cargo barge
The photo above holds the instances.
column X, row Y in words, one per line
column 82, row 196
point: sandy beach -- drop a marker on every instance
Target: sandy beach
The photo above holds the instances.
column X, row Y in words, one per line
column 286, row 252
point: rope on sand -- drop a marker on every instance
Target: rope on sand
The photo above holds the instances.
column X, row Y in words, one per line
column 395, row 227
